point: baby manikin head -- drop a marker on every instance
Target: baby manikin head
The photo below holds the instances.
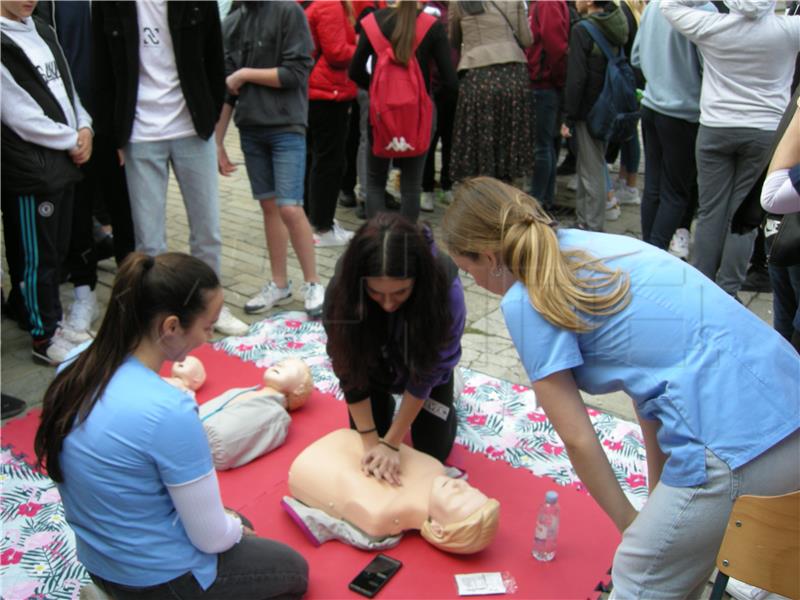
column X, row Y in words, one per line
column 292, row 378
column 462, row 519
column 190, row 372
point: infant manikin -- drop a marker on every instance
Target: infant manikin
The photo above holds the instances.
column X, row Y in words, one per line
column 188, row 375
column 244, row 423
column 335, row 500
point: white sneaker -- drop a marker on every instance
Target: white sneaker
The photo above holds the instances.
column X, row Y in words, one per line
column 269, row 296
column 230, row 325
column 335, row 236
column 53, row 351
column 426, row 201
column 572, row 184
column 627, row 194
column 744, row 591
column 612, row 209
column 679, row 245
column 447, row 198
column 314, row 297
column 83, row 312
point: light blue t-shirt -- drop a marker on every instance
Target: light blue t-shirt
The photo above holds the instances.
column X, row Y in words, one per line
column 714, row 374
column 141, row 435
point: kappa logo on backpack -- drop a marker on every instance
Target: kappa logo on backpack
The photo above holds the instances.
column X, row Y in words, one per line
column 400, row 109
column 614, row 116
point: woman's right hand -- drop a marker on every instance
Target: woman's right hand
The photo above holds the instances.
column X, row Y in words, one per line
column 382, row 463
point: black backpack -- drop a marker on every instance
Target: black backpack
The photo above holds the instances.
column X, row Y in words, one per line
column 614, row 116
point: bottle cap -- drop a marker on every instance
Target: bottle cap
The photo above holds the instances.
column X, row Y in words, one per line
column 551, row 497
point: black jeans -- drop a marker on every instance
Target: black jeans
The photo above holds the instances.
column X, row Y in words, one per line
column 442, row 128
column 429, row 433
column 327, row 134
column 670, row 175
column 254, row 569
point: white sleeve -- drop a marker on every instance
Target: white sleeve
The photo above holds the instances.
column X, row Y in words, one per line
column 778, row 195
column 29, row 121
column 199, row 506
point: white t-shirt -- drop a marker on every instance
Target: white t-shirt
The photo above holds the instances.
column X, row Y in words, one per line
column 161, row 111
column 24, row 34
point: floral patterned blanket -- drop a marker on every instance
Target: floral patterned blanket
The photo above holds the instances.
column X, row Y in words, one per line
column 497, row 418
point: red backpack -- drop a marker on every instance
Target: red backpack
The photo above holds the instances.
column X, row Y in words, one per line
column 400, row 109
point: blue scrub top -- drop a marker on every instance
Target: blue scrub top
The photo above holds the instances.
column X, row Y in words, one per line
column 714, row 374
column 142, row 435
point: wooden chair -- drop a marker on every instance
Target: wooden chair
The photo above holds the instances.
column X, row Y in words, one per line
column 762, row 545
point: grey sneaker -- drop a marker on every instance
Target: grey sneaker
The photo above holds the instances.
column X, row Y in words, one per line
column 269, row 296
column 426, row 201
column 314, row 296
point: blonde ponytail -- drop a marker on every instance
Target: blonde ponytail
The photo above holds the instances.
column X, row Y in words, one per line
column 564, row 286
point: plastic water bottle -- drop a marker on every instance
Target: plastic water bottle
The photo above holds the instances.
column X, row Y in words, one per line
column 544, row 540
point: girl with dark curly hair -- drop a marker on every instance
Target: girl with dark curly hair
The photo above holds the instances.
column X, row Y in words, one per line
column 394, row 315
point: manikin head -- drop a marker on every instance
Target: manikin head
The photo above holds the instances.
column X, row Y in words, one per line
column 191, row 372
column 292, row 378
column 462, row 519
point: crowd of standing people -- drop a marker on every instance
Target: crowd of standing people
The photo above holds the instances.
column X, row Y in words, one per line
column 102, row 100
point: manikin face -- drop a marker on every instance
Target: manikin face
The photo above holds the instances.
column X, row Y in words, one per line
column 190, row 371
column 389, row 292
column 287, row 375
column 453, row 500
column 17, row 10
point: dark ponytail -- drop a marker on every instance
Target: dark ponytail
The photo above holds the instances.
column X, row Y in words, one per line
column 405, row 30
column 145, row 289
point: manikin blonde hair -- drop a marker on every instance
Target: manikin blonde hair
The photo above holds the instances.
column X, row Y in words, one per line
column 564, row 286
column 471, row 535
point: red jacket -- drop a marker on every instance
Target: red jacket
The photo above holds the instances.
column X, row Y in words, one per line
column 335, row 44
column 547, row 56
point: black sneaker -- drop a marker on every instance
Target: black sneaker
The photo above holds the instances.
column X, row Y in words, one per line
column 392, row 203
column 757, row 280
column 347, row 200
column 361, row 211
column 567, row 167
column 12, row 406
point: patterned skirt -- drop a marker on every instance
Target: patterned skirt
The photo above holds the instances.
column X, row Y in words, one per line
column 493, row 130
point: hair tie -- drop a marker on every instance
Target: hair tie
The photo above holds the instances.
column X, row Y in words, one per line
column 528, row 219
column 148, row 263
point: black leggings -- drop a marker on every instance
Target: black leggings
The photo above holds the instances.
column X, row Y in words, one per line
column 429, row 433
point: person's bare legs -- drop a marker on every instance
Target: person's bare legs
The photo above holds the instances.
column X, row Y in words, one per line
column 277, row 240
column 299, row 231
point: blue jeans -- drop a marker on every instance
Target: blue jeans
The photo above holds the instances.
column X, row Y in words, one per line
column 543, row 184
column 147, row 172
column 785, row 299
column 276, row 163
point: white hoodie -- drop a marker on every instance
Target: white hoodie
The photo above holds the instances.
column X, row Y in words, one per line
column 18, row 109
column 748, row 60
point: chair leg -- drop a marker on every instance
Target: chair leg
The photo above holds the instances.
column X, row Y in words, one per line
column 720, row 583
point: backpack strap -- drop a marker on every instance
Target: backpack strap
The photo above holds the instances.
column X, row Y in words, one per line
column 374, row 34
column 424, row 24
column 600, row 40
column 379, row 42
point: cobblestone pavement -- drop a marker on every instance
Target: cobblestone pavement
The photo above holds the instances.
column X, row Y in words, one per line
column 486, row 344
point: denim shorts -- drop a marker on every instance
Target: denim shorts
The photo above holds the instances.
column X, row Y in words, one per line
column 276, row 164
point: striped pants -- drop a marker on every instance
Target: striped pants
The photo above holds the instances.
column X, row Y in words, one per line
column 37, row 234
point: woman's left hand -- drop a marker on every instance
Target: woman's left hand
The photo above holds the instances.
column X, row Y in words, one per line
column 381, row 462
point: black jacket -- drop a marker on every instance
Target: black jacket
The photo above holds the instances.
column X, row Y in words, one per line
column 28, row 167
column 586, row 63
column 197, row 41
column 265, row 35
